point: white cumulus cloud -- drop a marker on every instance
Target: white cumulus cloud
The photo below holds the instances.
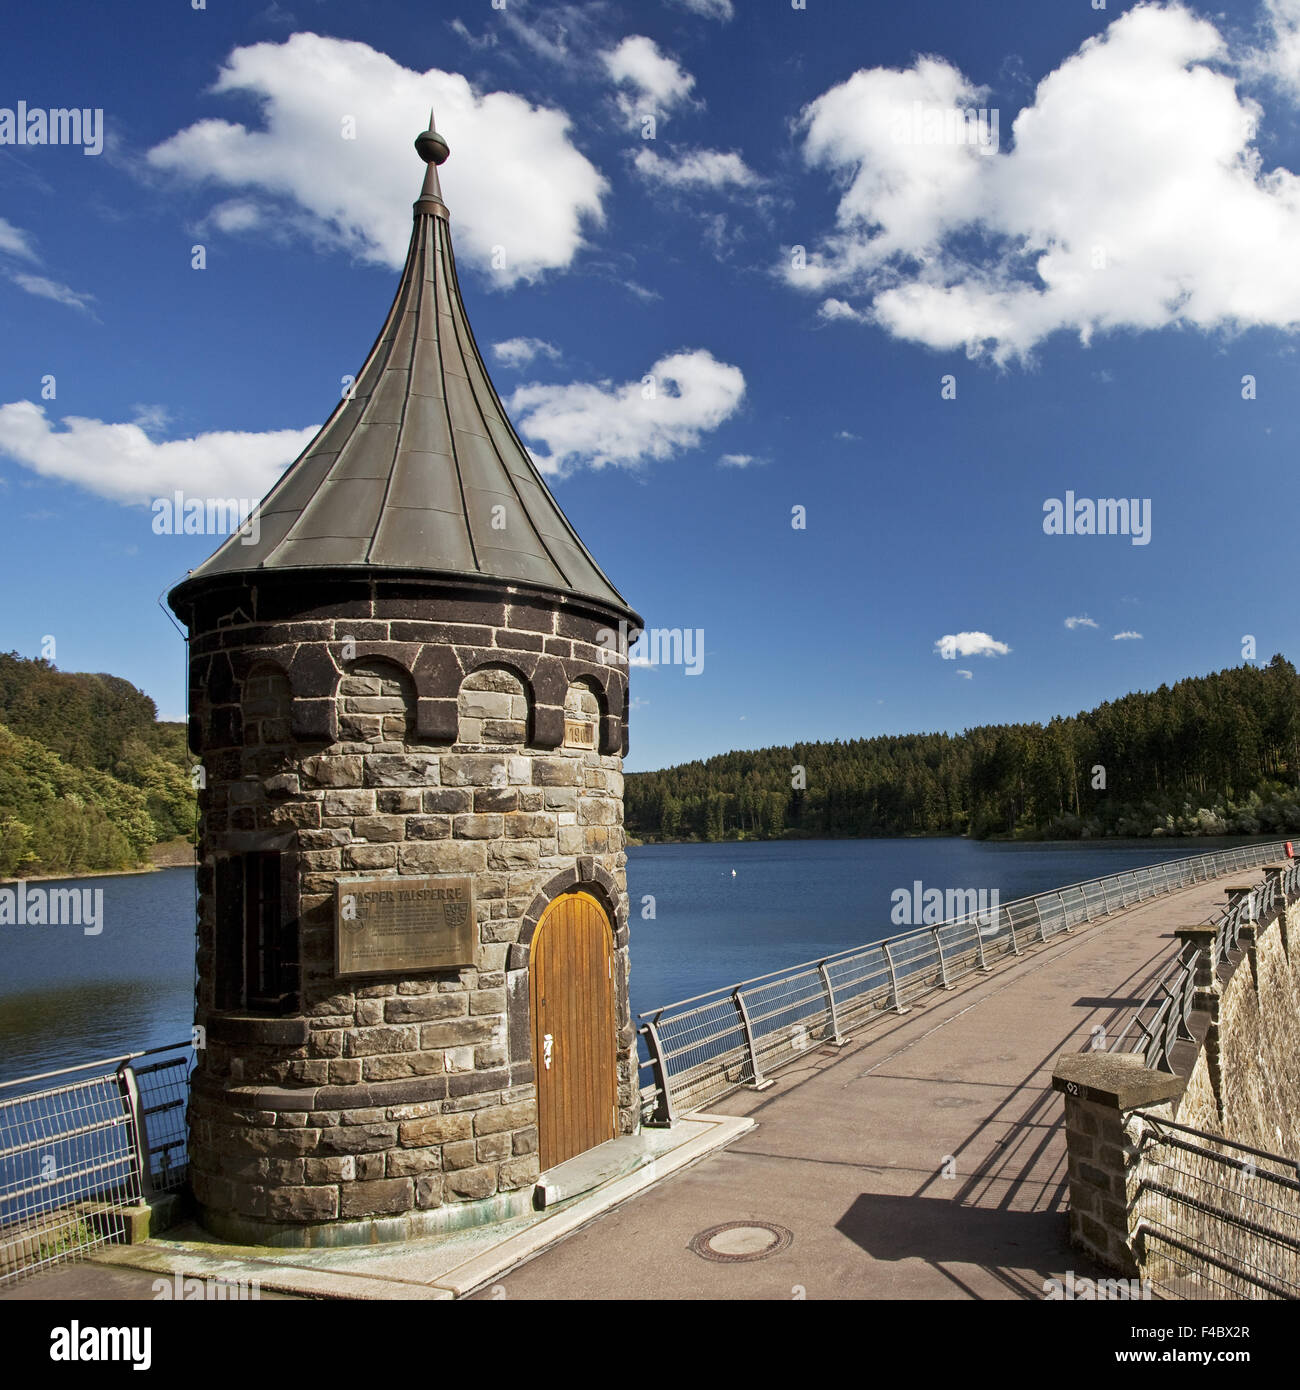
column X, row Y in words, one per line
column 519, row 352
column 713, row 169
column 1133, row 197
column 737, row 460
column 650, row 82
column 1127, row 637
column 837, row 309
column 1279, row 59
column 121, row 462
column 515, row 179
column 966, row 675
column 957, row 644
column 1072, row 623
column 688, row 393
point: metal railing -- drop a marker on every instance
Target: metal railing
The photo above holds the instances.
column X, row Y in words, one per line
column 1213, row 1218
column 77, row 1151
column 1161, row 1020
column 700, row 1049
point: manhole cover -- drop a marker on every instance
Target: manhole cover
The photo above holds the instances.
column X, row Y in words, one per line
column 741, row 1240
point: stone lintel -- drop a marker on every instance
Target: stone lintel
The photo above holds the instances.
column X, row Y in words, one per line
column 1117, row 1079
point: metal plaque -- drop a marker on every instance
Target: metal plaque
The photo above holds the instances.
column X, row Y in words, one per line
column 579, row 735
column 394, row 926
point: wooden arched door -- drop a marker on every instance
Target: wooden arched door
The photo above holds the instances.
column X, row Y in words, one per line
column 575, row 1042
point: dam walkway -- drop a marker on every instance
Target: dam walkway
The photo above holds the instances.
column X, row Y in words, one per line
column 925, row 1159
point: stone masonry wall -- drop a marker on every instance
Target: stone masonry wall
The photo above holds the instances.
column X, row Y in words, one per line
column 1259, row 1090
column 1240, row 1078
column 385, row 1097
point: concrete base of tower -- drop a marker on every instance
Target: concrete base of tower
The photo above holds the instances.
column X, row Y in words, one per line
column 375, row 1230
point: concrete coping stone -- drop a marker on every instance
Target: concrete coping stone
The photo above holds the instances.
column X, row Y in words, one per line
column 1122, row 1080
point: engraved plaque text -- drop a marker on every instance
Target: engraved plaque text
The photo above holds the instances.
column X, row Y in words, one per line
column 578, row 735
column 389, row 926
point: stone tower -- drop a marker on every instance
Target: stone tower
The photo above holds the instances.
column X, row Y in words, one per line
column 409, row 700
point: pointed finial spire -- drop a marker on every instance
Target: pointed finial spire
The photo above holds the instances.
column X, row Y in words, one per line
column 433, row 149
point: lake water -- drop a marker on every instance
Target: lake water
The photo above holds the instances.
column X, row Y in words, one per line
column 67, row 998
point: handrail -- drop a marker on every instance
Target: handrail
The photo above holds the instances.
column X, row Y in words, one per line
column 1218, row 1203
column 1157, row 1042
column 1277, row 847
column 1159, row 1123
column 703, row 1047
column 103, row 1062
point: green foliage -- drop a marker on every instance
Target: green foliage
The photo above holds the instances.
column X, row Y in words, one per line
column 88, row 778
column 85, row 719
column 1217, row 754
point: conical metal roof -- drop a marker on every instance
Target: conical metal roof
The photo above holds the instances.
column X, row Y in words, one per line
column 419, row 469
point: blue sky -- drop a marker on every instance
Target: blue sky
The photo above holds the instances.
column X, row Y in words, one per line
column 1098, row 278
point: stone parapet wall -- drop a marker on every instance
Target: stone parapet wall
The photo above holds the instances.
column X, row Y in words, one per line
column 1257, row 1099
column 1238, row 1078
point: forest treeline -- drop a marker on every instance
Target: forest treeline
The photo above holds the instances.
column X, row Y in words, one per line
column 89, row 777
column 1211, row 755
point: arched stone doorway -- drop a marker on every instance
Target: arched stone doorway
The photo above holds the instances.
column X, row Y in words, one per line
column 575, row 1035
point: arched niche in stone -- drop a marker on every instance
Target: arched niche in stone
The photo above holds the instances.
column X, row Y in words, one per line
column 376, row 704
column 493, row 709
column 266, row 709
column 584, row 709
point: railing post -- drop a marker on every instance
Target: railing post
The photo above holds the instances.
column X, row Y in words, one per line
column 943, row 965
column 1276, row 898
column 129, row 1087
column 760, row 1082
column 664, row 1113
column 985, row 967
column 1065, row 912
column 1201, row 946
column 893, row 980
column 1011, row 927
column 835, row 1039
